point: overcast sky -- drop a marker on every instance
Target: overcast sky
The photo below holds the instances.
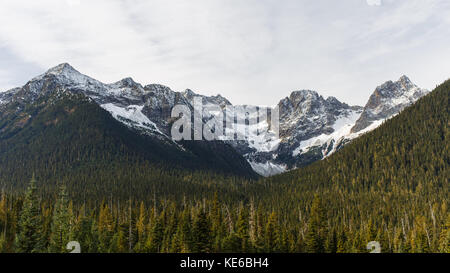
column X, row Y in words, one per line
column 250, row 51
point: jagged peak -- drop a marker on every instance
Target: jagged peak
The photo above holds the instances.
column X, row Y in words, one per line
column 404, row 78
column 188, row 92
column 403, row 85
column 128, row 82
column 157, row 87
column 219, row 96
column 332, row 99
column 66, row 74
column 406, row 82
column 304, row 94
column 62, row 69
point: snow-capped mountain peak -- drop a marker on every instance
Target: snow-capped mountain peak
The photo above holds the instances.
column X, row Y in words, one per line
column 388, row 100
column 311, row 127
column 304, row 94
column 63, row 68
column 128, row 82
column 66, row 74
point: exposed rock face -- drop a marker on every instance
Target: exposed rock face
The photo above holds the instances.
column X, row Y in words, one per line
column 145, row 110
column 307, row 124
column 388, row 100
column 311, row 127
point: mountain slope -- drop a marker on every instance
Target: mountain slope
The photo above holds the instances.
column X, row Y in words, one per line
column 388, row 100
column 410, row 150
column 390, row 185
column 311, row 127
column 62, row 134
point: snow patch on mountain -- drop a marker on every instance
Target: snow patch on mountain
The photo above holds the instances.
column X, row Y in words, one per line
column 388, row 100
column 268, row 168
column 341, row 130
column 131, row 115
column 311, row 127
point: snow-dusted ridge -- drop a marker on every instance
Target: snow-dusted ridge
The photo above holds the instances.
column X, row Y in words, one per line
column 311, row 127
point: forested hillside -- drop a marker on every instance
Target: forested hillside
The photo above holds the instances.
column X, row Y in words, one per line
column 65, row 137
column 390, row 185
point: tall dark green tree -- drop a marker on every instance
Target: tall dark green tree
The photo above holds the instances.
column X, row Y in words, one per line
column 29, row 239
column 155, row 240
column 271, row 236
column 242, row 229
column 444, row 244
column 317, row 227
column 202, row 233
column 61, row 224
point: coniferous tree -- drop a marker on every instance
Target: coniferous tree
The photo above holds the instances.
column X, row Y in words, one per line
column 61, row 224
column 271, row 235
column 317, row 230
column 242, row 230
column 29, row 239
column 141, row 228
column 93, row 241
column 202, row 233
column 2, row 243
column 105, row 228
column 156, row 237
column 444, row 244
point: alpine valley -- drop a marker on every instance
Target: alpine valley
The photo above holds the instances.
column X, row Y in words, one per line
column 101, row 168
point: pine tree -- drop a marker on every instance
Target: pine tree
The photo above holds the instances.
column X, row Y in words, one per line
column 2, row 243
column 93, row 240
column 105, row 228
column 82, row 232
column 60, row 226
column 242, row 229
column 341, row 242
column 201, row 232
column 156, row 237
column 232, row 243
column 185, row 226
column 271, row 236
column 177, row 245
column 28, row 239
column 3, row 223
column 141, row 228
column 119, row 243
column 317, row 228
column 444, row 244
column 331, row 243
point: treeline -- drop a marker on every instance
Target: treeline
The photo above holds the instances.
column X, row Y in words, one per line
column 67, row 138
column 31, row 225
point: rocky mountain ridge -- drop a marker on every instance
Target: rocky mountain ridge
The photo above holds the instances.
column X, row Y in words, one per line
column 311, row 127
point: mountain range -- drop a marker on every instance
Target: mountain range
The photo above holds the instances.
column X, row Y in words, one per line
column 311, row 127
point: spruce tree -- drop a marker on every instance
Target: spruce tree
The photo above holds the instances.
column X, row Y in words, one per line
column 317, row 228
column 202, row 233
column 105, row 228
column 444, row 244
column 29, row 239
column 141, row 229
column 271, row 236
column 156, row 237
column 2, row 243
column 242, row 230
column 61, row 224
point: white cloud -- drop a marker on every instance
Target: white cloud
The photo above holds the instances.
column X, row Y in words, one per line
column 249, row 51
